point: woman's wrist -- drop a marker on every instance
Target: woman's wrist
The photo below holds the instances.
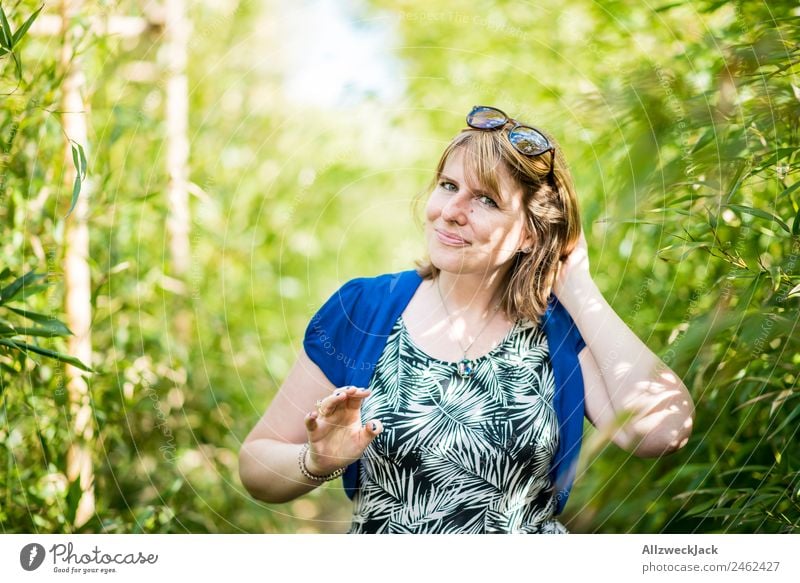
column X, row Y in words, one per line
column 307, row 468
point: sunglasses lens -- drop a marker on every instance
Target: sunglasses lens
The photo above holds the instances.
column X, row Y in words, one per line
column 529, row 141
column 486, row 118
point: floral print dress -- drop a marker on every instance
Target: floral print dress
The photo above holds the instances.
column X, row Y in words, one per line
column 460, row 455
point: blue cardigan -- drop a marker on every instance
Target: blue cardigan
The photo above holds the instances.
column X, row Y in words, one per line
column 346, row 337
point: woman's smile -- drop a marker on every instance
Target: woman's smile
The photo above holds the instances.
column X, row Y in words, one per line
column 450, row 239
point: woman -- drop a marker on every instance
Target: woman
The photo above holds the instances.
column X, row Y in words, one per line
column 452, row 397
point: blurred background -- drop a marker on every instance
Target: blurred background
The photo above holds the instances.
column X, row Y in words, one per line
column 182, row 184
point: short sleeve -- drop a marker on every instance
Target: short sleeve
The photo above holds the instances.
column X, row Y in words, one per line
column 327, row 334
column 567, row 328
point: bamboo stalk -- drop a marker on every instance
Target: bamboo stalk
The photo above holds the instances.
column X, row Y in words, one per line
column 176, row 33
column 77, row 277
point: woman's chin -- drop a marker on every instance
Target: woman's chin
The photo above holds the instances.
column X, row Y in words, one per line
column 451, row 262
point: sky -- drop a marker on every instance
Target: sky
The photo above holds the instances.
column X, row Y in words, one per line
column 337, row 53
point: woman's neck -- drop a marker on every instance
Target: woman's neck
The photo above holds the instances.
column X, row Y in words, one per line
column 469, row 295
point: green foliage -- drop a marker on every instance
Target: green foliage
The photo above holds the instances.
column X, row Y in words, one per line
column 681, row 127
column 9, row 40
column 720, row 192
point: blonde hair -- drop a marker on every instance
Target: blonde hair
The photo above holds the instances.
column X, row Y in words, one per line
column 548, row 201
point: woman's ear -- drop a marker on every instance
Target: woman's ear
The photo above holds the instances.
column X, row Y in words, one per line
column 526, row 241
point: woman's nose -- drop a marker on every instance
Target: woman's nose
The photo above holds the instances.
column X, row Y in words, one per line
column 456, row 208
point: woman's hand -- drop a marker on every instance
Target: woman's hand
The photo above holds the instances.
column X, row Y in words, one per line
column 335, row 435
column 573, row 270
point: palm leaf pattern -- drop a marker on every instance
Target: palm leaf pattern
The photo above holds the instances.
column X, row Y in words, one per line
column 460, row 455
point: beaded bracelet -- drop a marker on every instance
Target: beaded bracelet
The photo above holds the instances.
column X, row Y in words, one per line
column 301, row 460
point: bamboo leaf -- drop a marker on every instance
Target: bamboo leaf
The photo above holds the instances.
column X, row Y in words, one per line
column 5, row 31
column 789, row 419
column 49, row 322
column 667, row 7
column 83, row 161
column 79, row 161
column 11, row 291
column 686, row 247
column 794, row 292
column 759, row 213
column 17, row 64
column 27, row 331
column 790, row 189
column 24, row 28
column 737, row 181
column 717, row 513
column 74, row 494
column 24, row 346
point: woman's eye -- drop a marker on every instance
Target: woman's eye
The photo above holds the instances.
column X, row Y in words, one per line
column 448, row 186
column 487, row 200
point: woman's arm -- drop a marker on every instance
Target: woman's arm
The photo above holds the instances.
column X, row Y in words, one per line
column 268, row 464
column 268, row 460
column 624, row 381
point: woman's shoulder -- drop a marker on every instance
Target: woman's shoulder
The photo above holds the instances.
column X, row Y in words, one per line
column 376, row 288
column 362, row 296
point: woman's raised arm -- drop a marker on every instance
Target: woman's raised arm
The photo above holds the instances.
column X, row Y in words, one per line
column 623, row 378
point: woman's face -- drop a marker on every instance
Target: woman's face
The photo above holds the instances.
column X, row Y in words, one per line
column 469, row 230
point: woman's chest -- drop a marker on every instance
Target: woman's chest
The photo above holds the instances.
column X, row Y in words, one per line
column 429, row 411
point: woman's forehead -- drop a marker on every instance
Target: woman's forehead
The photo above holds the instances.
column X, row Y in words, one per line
column 479, row 172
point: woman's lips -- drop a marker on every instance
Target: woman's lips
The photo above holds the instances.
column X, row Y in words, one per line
column 450, row 239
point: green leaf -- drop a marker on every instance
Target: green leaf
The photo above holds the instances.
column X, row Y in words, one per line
column 74, row 493
column 79, row 161
column 5, row 31
column 737, row 181
column 759, row 213
column 667, row 7
column 25, row 331
column 17, row 63
column 24, row 346
column 76, row 190
column 708, row 137
column 83, row 161
column 790, row 189
column 717, row 513
column 49, row 322
column 744, row 470
column 24, row 28
column 12, row 290
column 794, row 292
column 75, row 162
column 789, row 419
column 686, row 247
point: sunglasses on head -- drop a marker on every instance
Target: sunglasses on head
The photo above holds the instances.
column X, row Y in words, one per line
column 526, row 140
